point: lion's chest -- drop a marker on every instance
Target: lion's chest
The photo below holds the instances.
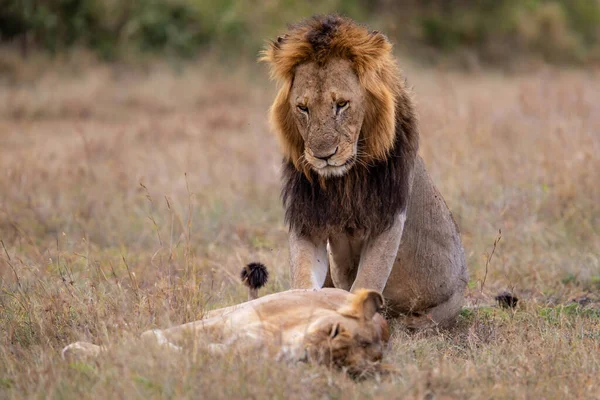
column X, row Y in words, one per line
column 363, row 202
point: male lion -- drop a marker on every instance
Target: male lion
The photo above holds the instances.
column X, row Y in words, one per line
column 353, row 184
column 329, row 326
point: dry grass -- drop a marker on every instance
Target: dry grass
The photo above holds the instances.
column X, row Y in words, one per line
column 131, row 199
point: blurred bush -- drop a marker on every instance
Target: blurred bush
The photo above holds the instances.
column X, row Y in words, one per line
column 180, row 27
column 556, row 30
column 493, row 30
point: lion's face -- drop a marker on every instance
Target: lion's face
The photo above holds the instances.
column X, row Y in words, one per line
column 347, row 342
column 352, row 337
column 327, row 104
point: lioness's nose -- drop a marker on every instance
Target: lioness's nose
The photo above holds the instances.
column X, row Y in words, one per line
column 325, row 157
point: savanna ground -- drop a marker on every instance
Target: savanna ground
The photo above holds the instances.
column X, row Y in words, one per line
column 130, row 198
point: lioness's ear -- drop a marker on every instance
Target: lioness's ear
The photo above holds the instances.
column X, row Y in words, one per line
column 364, row 305
column 372, row 303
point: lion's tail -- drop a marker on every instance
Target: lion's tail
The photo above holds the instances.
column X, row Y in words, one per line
column 254, row 276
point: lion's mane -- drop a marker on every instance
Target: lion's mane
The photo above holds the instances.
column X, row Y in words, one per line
column 368, row 197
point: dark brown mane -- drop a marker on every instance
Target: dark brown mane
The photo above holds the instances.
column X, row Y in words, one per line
column 364, row 201
column 368, row 197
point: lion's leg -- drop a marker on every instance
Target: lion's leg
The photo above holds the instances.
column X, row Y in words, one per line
column 328, row 281
column 258, row 335
column 440, row 316
column 206, row 331
column 211, row 329
column 156, row 336
column 81, row 350
column 214, row 335
column 309, row 261
column 378, row 257
column 344, row 258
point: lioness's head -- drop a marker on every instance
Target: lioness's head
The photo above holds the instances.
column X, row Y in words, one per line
column 354, row 337
column 340, row 88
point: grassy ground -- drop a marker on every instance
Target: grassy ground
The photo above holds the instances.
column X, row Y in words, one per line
column 130, row 199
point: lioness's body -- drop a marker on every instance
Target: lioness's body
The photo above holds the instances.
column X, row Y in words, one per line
column 362, row 210
column 328, row 326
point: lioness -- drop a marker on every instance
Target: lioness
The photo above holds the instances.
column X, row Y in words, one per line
column 362, row 210
column 327, row 326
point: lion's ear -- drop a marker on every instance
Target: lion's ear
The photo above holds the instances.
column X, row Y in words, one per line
column 364, row 305
column 282, row 38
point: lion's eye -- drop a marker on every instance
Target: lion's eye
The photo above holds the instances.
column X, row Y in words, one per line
column 335, row 330
column 341, row 104
column 303, row 108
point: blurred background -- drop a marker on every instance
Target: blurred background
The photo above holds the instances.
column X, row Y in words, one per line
column 496, row 32
column 138, row 176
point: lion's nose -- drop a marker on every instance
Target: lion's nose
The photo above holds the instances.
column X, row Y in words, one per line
column 326, row 157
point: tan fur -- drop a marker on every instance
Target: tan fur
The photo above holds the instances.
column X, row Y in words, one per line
column 364, row 305
column 410, row 247
column 329, row 326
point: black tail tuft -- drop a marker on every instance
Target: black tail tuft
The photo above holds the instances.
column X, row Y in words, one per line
column 255, row 275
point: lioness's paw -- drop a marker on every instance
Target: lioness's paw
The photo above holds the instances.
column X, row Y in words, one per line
column 80, row 350
column 156, row 336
